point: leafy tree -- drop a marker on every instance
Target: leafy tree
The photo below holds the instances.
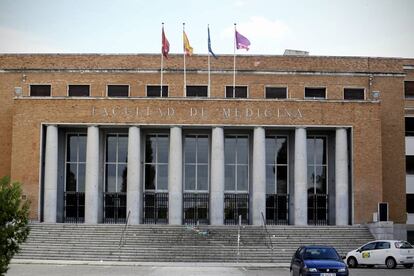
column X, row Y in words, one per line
column 14, row 215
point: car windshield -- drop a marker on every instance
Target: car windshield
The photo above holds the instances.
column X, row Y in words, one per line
column 320, row 254
column 403, row 245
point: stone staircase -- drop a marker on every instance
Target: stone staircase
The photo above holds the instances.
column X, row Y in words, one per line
column 166, row 243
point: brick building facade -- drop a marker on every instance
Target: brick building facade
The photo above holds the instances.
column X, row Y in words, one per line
column 302, row 140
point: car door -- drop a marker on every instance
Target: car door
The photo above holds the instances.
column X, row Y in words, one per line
column 382, row 250
column 364, row 254
column 297, row 261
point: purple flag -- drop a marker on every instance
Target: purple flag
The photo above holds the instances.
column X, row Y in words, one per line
column 242, row 42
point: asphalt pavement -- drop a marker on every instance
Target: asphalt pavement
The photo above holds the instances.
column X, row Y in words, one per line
column 193, row 269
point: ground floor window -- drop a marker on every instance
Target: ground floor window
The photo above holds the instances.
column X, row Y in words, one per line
column 317, row 180
column 116, row 157
column 75, row 164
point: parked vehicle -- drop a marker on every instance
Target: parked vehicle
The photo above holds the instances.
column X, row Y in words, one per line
column 382, row 252
column 317, row 260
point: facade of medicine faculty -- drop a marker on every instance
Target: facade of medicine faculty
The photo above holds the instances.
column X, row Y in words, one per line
column 300, row 140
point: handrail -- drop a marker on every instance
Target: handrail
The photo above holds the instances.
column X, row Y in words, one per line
column 123, row 231
column 238, row 238
column 267, row 234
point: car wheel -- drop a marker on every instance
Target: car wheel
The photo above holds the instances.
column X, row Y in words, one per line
column 408, row 265
column 352, row 262
column 390, row 262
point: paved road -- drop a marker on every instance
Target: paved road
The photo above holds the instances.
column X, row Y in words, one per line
column 103, row 270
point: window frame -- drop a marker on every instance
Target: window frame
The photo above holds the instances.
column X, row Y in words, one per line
column 156, row 163
column 315, row 98
column 197, row 135
column 196, row 85
column 77, row 162
column 409, row 209
column 67, row 90
column 320, row 165
column 237, row 191
column 118, row 84
column 276, row 136
column 408, row 98
column 116, row 163
column 354, row 87
column 36, row 84
column 247, row 92
column 276, row 86
column 161, row 96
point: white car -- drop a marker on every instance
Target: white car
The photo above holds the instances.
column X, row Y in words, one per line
column 382, row 252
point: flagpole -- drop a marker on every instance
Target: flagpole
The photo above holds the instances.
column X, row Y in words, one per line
column 234, row 62
column 162, row 61
column 208, row 59
column 185, row 73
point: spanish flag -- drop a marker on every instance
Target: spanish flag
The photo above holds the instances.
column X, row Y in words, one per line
column 188, row 50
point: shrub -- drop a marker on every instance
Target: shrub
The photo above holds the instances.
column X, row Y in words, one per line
column 14, row 215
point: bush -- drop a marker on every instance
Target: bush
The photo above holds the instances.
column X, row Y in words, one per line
column 14, row 215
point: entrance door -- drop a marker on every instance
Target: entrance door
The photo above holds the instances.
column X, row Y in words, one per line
column 317, row 180
column 74, row 194
column 196, row 179
column 277, row 174
column 115, row 178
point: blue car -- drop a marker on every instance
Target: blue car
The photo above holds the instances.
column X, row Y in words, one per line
column 317, row 260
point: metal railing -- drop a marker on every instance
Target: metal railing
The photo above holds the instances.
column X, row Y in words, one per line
column 122, row 239
column 155, row 208
column 269, row 244
column 195, row 208
column 114, row 207
column 318, row 209
column 236, row 205
column 277, row 209
column 74, row 207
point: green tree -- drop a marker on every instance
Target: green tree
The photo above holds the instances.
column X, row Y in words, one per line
column 14, row 214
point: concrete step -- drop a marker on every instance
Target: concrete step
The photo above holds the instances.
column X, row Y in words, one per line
column 182, row 243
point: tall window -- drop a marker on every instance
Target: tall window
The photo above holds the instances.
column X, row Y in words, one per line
column 119, row 91
column 196, row 152
column 75, row 177
column 409, row 89
column 116, row 163
column 237, row 92
column 276, row 165
column 317, row 165
column 195, row 197
column 277, row 199
column 156, row 178
column 276, row 92
column 75, row 162
column 317, row 180
column 315, row 93
column 155, row 91
column 236, row 155
column 78, row 90
column 40, row 90
column 196, row 91
column 156, row 162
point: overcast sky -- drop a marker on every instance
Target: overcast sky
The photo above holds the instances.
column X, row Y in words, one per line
column 322, row 27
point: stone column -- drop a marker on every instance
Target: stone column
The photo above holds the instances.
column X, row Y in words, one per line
column 217, row 177
column 341, row 177
column 134, row 187
column 259, row 175
column 175, row 177
column 51, row 171
column 301, row 174
column 92, row 176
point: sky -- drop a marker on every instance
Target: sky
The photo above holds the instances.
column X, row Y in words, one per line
column 382, row 28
